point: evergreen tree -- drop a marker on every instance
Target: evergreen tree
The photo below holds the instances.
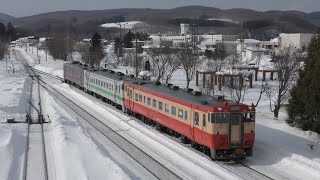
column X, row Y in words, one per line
column 2, row 32
column 96, row 50
column 11, row 32
column 304, row 106
column 127, row 40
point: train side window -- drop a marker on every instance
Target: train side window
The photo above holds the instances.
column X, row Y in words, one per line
column 149, row 101
column 116, row 88
column 185, row 115
column 140, row 97
column 180, row 113
column 154, row 103
column 136, row 97
column 248, row 117
column 173, row 110
column 166, row 108
column 204, row 120
column 196, row 118
column 160, row 106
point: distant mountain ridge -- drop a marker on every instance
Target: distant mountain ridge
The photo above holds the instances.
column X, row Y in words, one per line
column 305, row 22
column 4, row 18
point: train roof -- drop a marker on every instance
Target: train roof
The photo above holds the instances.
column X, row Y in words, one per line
column 111, row 74
column 101, row 72
column 76, row 64
column 187, row 95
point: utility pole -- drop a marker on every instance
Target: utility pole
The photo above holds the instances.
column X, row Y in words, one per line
column 136, row 55
column 46, row 50
column 6, row 63
column 194, row 38
column 120, row 49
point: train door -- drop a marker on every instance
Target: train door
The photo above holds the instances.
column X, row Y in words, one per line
column 114, row 90
column 204, row 128
column 192, row 122
column 130, row 96
column 235, row 130
column 195, row 124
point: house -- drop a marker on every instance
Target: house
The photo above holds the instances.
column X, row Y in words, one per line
column 296, row 40
column 249, row 49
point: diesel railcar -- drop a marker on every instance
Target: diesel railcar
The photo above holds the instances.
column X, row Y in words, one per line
column 223, row 128
column 106, row 84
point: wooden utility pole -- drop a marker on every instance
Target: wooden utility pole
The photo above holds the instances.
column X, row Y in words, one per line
column 136, row 64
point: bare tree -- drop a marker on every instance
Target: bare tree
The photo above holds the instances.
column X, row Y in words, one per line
column 263, row 88
column 288, row 66
column 233, row 60
column 238, row 90
column 84, row 51
column 163, row 62
column 172, row 66
column 158, row 61
column 189, row 63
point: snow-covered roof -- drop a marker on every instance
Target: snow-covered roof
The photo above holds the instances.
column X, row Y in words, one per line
column 275, row 40
column 250, row 41
column 42, row 39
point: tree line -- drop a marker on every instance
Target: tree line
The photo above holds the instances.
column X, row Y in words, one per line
column 7, row 34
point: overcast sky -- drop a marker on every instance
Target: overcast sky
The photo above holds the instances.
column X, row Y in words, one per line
column 20, row 8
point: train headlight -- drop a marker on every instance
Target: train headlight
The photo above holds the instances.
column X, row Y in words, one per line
column 250, row 107
column 219, row 108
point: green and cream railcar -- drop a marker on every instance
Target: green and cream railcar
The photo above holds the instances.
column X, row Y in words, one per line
column 105, row 84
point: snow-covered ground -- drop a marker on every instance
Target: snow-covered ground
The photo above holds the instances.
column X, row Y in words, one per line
column 223, row 19
column 124, row 25
column 76, row 152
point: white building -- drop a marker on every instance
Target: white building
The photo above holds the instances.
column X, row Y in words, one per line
column 249, row 49
column 184, row 29
column 297, row 40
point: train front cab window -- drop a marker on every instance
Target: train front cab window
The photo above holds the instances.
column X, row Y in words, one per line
column 219, row 118
column 249, row 117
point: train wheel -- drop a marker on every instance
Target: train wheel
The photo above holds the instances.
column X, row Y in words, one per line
column 158, row 127
column 184, row 140
column 249, row 152
column 176, row 134
column 213, row 154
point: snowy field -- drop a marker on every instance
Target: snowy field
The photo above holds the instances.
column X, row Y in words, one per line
column 124, row 25
column 77, row 151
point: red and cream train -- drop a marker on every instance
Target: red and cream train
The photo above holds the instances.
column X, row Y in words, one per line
column 222, row 128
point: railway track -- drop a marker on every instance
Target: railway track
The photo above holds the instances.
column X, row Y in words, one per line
column 235, row 167
column 35, row 167
column 157, row 169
